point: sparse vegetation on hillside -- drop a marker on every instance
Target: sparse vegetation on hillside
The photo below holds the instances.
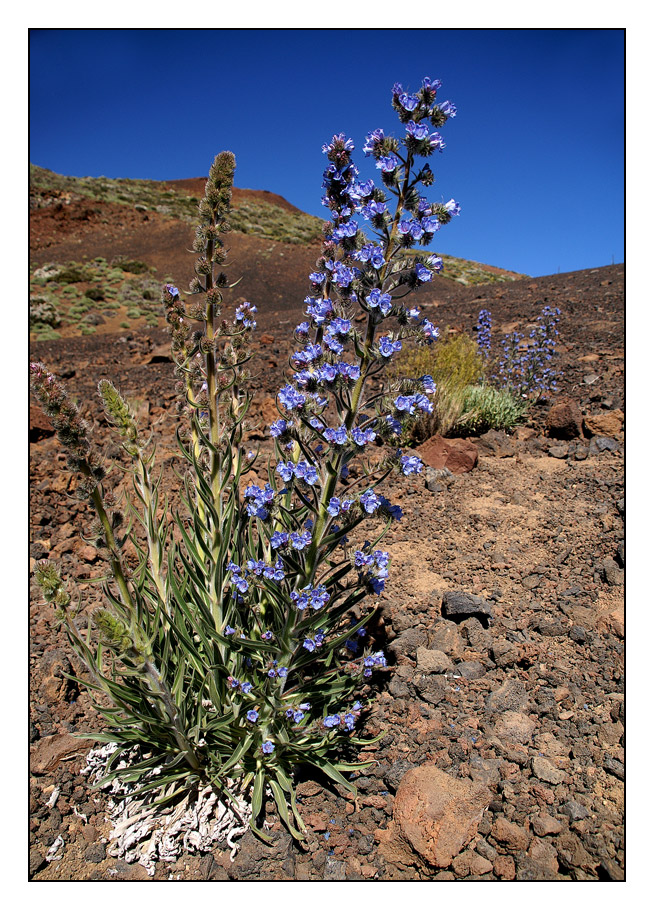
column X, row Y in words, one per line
column 79, row 297
column 253, row 217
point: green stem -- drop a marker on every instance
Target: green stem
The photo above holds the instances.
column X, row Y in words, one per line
column 160, row 689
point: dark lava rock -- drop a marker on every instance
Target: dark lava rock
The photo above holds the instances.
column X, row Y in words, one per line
column 394, row 776
column 614, row 767
column 407, row 643
column 551, row 627
column 458, row 606
column 496, row 443
column 603, row 444
column 578, row 634
column 575, row 811
column 95, row 853
column 470, row 670
column 564, row 420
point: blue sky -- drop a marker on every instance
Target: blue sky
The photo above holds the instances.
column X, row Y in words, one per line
column 534, row 156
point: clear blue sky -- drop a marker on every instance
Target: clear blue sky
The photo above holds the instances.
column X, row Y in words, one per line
column 534, row 156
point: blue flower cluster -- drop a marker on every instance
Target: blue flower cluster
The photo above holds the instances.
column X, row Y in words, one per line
column 376, row 660
column 297, row 713
column 311, row 644
column 346, row 721
column 315, row 598
column 258, row 500
column 373, row 568
column 235, row 684
column 525, row 366
column 483, row 330
column 301, row 470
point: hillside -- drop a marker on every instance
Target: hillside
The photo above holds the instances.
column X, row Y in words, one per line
column 96, row 227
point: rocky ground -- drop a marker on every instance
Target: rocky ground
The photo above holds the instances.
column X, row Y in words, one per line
column 502, row 710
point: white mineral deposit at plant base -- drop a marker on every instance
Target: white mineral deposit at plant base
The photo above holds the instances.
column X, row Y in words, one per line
column 143, row 833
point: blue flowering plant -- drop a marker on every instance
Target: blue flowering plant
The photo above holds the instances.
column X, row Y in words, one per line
column 236, row 650
column 525, row 367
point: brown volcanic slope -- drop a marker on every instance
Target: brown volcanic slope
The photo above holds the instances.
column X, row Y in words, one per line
column 79, row 219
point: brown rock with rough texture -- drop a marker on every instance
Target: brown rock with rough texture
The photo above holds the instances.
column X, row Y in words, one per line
column 504, row 867
column 546, row 825
column 606, row 424
column 514, row 727
column 564, row 420
column 544, row 854
column 434, row 817
column 497, row 443
column 510, row 834
column 50, row 751
column 40, row 426
column 458, row 456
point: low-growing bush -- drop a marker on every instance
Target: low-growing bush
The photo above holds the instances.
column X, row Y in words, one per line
column 43, row 310
column 486, row 408
column 454, row 363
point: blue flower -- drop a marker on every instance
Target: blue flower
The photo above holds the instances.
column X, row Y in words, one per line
column 349, row 721
column 431, row 85
column 387, row 163
column 334, row 506
column 448, row 108
column 172, row 290
column 380, row 300
column 229, row 630
column 291, row 398
column 331, row 721
column 246, row 687
column 388, row 347
column 267, row 636
column 309, row 644
column 337, row 437
column 268, row 747
column 279, row 539
column 423, row 274
column 299, row 541
column 252, row 715
column 362, row 437
column 411, row 464
column 373, row 140
column 417, row 130
column 370, row 501
column 409, row 102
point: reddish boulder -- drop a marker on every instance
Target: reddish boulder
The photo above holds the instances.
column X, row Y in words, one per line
column 40, row 425
column 564, row 420
column 434, row 817
column 458, row 456
column 606, row 424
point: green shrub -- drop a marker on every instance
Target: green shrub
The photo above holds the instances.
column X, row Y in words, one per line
column 486, row 408
column 135, row 266
column 43, row 311
column 133, row 313
column 95, row 294
column 454, row 364
column 71, row 274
